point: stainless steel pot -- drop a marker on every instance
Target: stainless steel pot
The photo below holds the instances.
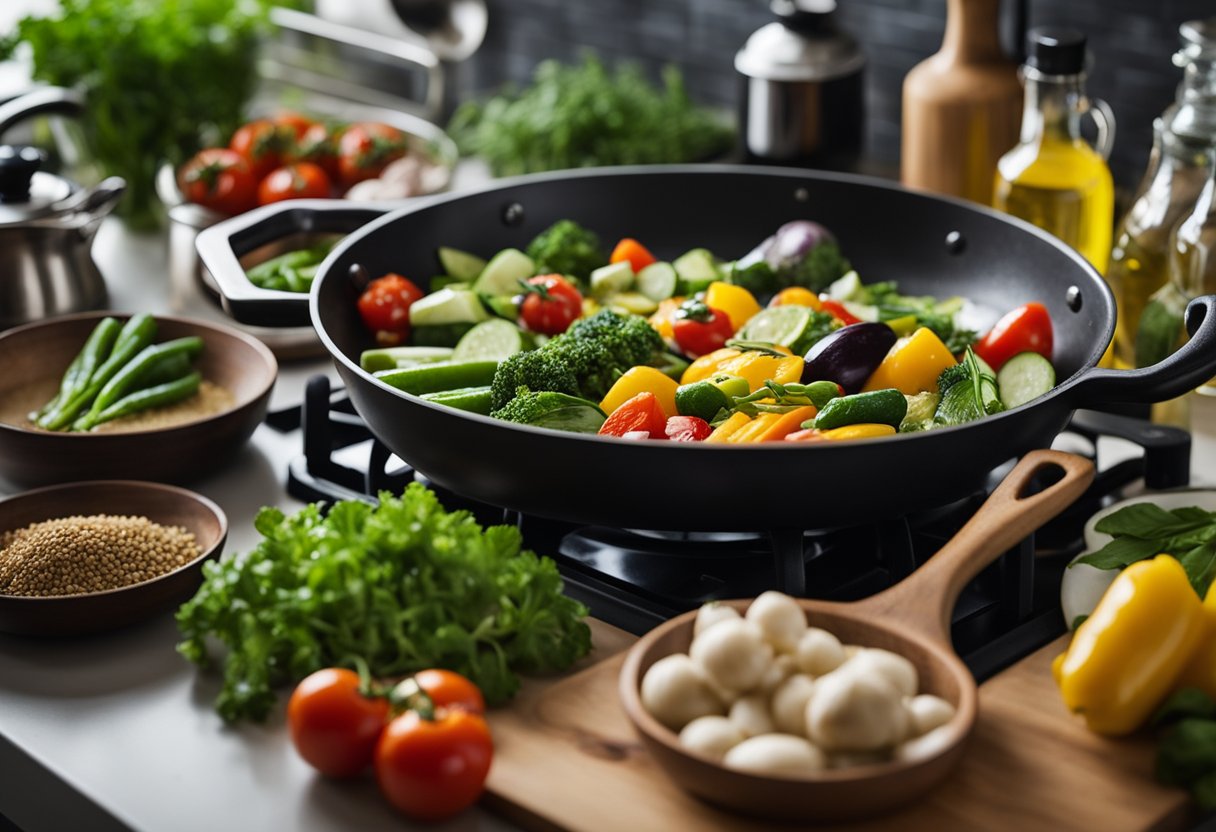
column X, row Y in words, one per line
column 47, row 225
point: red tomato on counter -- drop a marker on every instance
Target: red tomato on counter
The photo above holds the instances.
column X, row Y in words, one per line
column 385, row 308
column 432, row 766
column 219, row 179
column 333, row 726
column 450, row 690
column 262, row 143
column 319, row 145
column 303, row 180
column 550, row 305
column 366, row 148
column 1025, row 329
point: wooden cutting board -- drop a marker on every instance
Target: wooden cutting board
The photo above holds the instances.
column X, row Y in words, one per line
column 566, row 757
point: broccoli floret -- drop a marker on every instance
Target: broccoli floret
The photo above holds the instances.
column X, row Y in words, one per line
column 547, row 409
column 631, row 339
column 757, row 278
column 567, row 248
column 968, row 392
column 821, row 266
column 536, row 369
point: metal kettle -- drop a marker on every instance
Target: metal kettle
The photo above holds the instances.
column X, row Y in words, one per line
column 803, row 96
column 47, row 225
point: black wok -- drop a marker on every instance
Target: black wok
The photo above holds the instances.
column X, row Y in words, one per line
column 930, row 245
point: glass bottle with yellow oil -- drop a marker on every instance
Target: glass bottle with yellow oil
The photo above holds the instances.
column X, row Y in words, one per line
column 1054, row 178
column 1183, row 140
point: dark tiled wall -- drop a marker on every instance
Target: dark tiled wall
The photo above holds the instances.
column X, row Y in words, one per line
column 1132, row 41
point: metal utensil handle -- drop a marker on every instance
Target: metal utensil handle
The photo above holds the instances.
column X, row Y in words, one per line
column 50, row 100
column 925, row 601
column 1192, row 365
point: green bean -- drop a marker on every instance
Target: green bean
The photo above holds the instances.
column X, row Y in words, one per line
column 149, row 397
column 95, row 351
column 131, row 376
column 137, row 333
column 170, row 368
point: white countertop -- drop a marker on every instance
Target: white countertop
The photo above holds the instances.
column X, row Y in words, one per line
column 118, row 731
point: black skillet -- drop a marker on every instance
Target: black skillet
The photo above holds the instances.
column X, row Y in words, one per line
column 930, row 245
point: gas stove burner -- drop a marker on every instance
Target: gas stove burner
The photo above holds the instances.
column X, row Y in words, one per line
column 637, row 578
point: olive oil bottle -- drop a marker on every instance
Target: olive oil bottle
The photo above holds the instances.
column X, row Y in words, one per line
column 1053, row 178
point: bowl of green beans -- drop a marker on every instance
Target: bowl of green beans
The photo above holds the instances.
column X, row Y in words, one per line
column 133, row 396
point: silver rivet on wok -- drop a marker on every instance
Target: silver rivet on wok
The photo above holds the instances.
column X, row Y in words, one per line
column 1073, row 298
column 802, row 195
column 955, row 242
column 359, row 278
column 513, row 214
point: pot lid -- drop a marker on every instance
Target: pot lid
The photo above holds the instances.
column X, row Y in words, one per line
column 801, row 45
column 26, row 191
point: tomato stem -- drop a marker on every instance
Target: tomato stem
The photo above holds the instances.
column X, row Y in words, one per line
column 409, row 695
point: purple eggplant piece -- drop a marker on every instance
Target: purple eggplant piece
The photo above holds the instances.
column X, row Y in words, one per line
column 849, row 355
column 787, row 248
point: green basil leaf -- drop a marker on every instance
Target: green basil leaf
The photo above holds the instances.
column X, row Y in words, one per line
column 1187, row 752
column 1146, row 520
column 1200, row 565
column 1204, row 791
column 1121, row 552
column 1184, row 703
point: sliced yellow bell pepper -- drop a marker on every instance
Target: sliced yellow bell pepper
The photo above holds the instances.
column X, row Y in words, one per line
column 913, row 364
column 1200, row 669
column 664, row 317
column 642, row 380
column 724, row 431
column 738, row 303
column 1127, row 656
column 796, row 296
column 787, row 423
column 756, row 367
column 753, row 430
column 860, row 431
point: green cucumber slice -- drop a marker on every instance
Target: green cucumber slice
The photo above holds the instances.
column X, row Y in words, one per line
column 658, row 281
column 502, row 274
column 630, row 303
column 447, row 306
column 1024, row 378
column 394, row 358
column 445, row 375
column 440, row 335
column 610, row 279
column 472, row 399
column 492, row 340
column 460, row 264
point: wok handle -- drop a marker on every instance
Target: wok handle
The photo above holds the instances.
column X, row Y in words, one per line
column 924, row 602
column 1193, row 364
column 221, row 246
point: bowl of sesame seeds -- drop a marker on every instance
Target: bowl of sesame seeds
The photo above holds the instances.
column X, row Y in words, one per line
column 92, row 556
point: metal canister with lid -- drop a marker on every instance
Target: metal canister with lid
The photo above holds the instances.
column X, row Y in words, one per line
column 803, row 100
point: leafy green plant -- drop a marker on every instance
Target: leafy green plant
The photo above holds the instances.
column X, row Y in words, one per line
column 160, row 78
column 1144, row 530
column 586, row 116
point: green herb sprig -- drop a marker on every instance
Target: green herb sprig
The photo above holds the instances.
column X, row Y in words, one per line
column 1145, row 530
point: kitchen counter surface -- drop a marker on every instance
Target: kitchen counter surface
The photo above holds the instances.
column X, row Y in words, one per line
column 117, row 731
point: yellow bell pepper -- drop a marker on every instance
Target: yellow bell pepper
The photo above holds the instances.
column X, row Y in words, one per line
column 1127, row 656
column 738, row 303
column 787, row 423
column 753, row 430
column 724, row 431
column 664, row 317
column 1200, row 669
column 757, row 367
column 642, row 380
column 796, row 296
column 913, row 364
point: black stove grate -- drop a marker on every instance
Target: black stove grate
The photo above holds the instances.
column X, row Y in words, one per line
column 636, row 579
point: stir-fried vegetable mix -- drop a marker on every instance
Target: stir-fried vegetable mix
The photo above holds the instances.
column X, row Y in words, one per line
column 785, row 343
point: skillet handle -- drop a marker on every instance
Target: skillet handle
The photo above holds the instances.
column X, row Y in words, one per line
column 1192, row 365
column 221, row 246
column 925, row 601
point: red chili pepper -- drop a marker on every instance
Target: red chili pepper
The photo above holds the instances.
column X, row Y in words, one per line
column 836, row 308
column 1025, row 329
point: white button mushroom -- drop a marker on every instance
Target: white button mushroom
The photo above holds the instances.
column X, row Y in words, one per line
column 898, row 671
column 925, row 746
column 711, row 614
column 819, row 652
column 789, row 704
column 928, row 712
column 782, row 668
column 733, row 654
column 674, row 693
column 780, row 619
column 775, row 754
column 750, row 714
column 712, row 736
column 855, row 712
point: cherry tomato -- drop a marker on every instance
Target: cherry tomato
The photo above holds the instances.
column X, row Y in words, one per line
column 638, row 255
column 432, row 769
column 1025, row 329
column 366, row 148
column 445, row 690
column 838, row 311
column 262, row 143
column 219, row 179
column 699, row 329
column 687, row 428
column 551, row 304
column 333, row 726
column 385, row 308
column 303, row 180
column 293, row 124
column 641, row 413
column 319, row 145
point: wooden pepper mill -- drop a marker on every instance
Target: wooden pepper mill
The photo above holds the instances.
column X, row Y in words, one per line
column 962, row 107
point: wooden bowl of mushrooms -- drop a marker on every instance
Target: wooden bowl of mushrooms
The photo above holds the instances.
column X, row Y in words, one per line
column 804, row 710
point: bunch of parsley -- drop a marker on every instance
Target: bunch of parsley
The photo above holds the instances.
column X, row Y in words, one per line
column 404, row 586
